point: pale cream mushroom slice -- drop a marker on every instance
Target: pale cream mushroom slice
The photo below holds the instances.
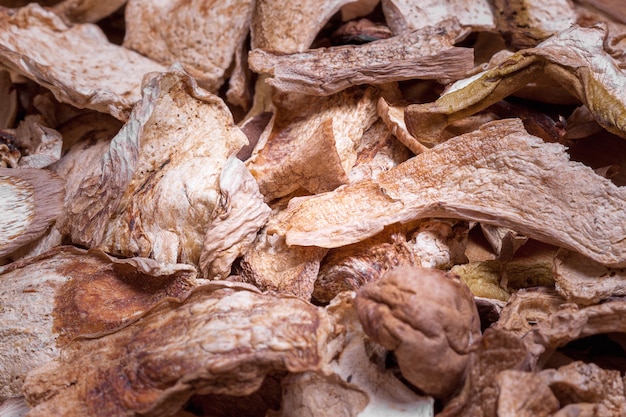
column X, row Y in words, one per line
column 426, row 53
column 202, row 35
column 77, row 63
column 223, row 338
column 86, row 11
column 31, row 201
column 498, row 174
column 574, row 58
column 41, row 146
column 157, row 190
column 48, row 300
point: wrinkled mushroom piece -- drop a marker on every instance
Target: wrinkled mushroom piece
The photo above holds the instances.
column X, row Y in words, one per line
column 498, row 174
column 222, row 339
column 41, row 145
column 429, row 319
column 31, row 200
column 290, row 27
column 405, row 15
column 426, row 53
column 393, row 116
column 201, row 35
column 523, row 394
column 574, row 58
column 47, row 301
column 586, row 282
column 77, row 63
column 86, row 11
column 157, row 189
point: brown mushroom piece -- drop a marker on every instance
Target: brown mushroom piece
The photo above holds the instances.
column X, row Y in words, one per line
column 428, row 319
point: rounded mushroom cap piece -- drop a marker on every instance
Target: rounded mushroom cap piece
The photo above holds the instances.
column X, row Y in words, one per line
column 428, row 317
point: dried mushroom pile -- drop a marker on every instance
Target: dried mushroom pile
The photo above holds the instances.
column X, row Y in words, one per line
column 314, row 208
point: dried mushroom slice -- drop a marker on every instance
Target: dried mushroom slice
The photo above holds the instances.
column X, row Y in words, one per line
column 311, row 142
column 405, row 15
column 586, row 282
column 524, row 394
column 393, row 116
column 48, row 300
column 203, row 35
column 157, row 189
column 429, row 319
column 86, row 11
column 289, row 27
column 426, row 53
column 574, row 58
column 498, row 174
column 31, row 200
column 77, row 63
column 41, row 146
column 223, row 339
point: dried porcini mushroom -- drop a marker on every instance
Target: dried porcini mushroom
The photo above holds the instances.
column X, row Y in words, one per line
column 31, row 37
column 222, row 339
column 425, row 53
column 429, row 319
column 510, row 161
column 32, row 199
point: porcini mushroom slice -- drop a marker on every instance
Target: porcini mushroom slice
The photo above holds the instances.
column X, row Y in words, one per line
column 574, row 58
column 48, row 300
column 223, row 339
column 31, row 199
column 586, row 282
column 429, row 319
column 86, row 11
column 77, row 63
column 426, row 53
column 157, row 189
column 202, row 36
column 498, row 174
column 290, row 27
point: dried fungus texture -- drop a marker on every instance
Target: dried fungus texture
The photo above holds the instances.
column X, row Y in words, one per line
column 202, row 35
column 498, row 175
column 426, row 53
column 223, row 339
column 290, row 27
column 429, row 319
column 86, row 11
column 157, row 190
column 77, row 63
column 40, row 145
column 31, row 201
column 574, row 58
column 405, row 15
column 47, row 301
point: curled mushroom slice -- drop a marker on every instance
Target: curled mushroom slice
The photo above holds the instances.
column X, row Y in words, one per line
column 222, row 339
column 50, row 299
column 202, row 36
column 37, row 44
column 426, row 53
column 586, row 282
column 574, row 58
column 429, row 319
column 40, row 144
column 489, row 183
column 31, row 200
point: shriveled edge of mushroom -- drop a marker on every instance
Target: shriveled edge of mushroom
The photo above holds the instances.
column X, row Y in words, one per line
column 585, row 70
column 535, row 171
column 32, row 199
column 426, row 53
column 393, row 116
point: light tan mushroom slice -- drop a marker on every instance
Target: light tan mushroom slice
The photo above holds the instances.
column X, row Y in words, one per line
column 524, row 394
column 426, row 53
column 77, row 63
column 525, row 23
column 157, row 189
column 613, row 8
column 311, row 142
column 240, row 214
column 585, row 282
column 41, row 144
column 393, row 116
column 48, row 300
column 86, row 11
column 222, row 339
column 290, row 27
column 201, row 35
column 356, row 383
column 30, row 201
column 574, row 58
column 405, row 15
column 498, row 174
